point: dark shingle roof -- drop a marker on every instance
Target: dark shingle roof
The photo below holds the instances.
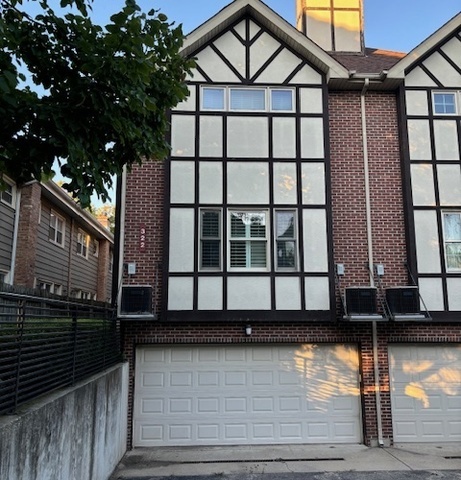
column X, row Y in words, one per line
column 374, row 60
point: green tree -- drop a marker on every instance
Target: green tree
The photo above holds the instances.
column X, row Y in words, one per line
column 105, row 92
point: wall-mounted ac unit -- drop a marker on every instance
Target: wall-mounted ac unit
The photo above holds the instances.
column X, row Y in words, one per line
column 404, row 303
column 360, row 304
column 136, row 301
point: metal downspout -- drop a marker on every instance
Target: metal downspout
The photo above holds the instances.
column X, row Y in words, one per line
column 366, row 84
column 121, row 252
column 14, row 247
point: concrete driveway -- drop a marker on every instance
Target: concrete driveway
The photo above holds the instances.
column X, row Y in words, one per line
column 293, row 462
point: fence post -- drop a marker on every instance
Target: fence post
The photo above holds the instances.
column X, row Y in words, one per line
column 21, row 320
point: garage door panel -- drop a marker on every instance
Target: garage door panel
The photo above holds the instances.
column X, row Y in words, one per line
column 425, row 392
column 247, row 396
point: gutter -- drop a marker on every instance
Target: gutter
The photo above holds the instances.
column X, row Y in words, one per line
column 374, row 324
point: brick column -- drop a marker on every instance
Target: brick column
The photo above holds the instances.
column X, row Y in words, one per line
column 29, row 216
column 103, row 270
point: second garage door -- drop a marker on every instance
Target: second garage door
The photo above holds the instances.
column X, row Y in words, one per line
column 251, row 394
column 426, row 392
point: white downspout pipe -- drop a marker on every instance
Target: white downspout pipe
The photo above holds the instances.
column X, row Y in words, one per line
column 366, row 83
column 14, row 247
column 122, row 237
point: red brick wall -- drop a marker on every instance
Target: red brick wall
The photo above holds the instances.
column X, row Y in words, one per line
column 29, row 215
column 348, row 187
column 144, row 207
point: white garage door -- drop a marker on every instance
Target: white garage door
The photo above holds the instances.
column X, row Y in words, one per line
column 225, row 395
column 426, row 392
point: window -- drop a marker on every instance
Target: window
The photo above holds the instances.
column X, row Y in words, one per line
column 82, row 243
column 7, row 195
column 282, row 100
column 56, row 230
column 83, row 295
column 50, row 287
column 210, row 239
column 445, row 103
column 95, row 247
column 248, row 99
column 285, row 239
column 111, row 262
column 248, row 240
column 2, row 277
column 213, row 99
column 452, row 240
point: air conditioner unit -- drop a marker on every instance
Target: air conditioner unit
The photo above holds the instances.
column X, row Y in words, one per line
column 360, row 304
column 136, row 301
column 404, row 303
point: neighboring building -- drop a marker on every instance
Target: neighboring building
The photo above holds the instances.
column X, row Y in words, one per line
column 48, row 242
column 305, row 180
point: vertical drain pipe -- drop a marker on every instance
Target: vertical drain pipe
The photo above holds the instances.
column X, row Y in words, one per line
column 374, row 324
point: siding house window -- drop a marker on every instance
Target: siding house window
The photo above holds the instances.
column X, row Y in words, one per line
column 248, row 240
column 444, row 103
column 95, row 247
column 286, row 245
column 84, row 295
column 82, row 243
column 2, row 277
column 7, row 195
column 210, row 239
column 56, row 229
column 452, row 240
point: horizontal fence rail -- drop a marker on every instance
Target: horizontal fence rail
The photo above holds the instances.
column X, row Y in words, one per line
column 48, row 343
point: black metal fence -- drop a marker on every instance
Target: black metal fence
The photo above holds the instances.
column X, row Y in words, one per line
column 50, row 342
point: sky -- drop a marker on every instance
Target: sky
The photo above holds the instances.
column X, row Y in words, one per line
column 398, row 25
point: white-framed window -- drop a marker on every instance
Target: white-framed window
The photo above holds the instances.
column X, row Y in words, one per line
column 50, row 287
column 286, row 257
column 84, row 295
column 248, row 232
column 56, row 229
column 3, row 276
column 83, row 241
column 452, row 240
column 95, row 247
column 8, row 195
column 210, row 239
column 445, row 103
column 111, row 262
column 248, row 99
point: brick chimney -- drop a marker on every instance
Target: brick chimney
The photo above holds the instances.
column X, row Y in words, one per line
column 103, row 220
column 334, row 25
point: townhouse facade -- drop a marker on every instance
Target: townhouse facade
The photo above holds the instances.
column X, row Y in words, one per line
column 47, row 242
column 291, row 273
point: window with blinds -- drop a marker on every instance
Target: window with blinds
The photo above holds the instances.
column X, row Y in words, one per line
column 452, row 240
column 248, row 99
column 210, row 239
column 285, row 231
column 248, row 239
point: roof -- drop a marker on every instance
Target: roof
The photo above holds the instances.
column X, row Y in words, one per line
column 374, row 60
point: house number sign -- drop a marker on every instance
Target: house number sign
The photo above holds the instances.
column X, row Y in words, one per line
column 142, row 237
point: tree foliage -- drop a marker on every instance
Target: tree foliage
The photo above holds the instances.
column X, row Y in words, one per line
column 99, row 95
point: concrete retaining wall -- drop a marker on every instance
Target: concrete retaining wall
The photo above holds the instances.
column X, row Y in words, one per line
column 73, row 434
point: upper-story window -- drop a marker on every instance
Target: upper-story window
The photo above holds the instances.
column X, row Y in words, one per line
column 285, row 241
column 248, row 239
column 8, row 194
column 210, row 239
column 95, row 247
column 83, row 240
column 248, row 99
column 452, row 240
column 56, row 229
column 444, row 103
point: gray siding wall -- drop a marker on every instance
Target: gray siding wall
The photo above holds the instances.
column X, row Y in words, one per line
column 7, row 215
column 84, row 270
column 52, row 261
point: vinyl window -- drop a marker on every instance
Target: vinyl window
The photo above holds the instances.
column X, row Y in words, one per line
column 83, row 240
column 285, row 240
column 56, row 229
column 8, row 194
column 210, row 240
column 248, row 240
column 452, row 240
column 444, row 103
